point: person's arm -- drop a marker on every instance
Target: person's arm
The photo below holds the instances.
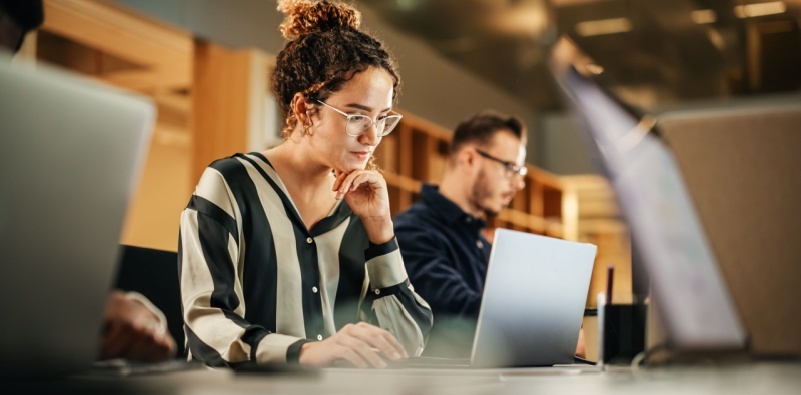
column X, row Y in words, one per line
column 433, row 273
column 391, row 302
column 211, row 290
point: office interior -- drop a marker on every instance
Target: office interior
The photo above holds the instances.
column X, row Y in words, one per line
column 204, row 63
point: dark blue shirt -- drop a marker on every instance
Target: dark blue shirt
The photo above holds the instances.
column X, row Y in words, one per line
column 446, row 257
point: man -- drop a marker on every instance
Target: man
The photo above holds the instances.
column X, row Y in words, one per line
column 132, row 327
column 440, row 236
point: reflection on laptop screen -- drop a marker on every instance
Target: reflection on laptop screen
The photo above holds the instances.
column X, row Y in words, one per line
column 697, row 309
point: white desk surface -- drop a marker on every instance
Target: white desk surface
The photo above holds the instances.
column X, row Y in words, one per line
column 757, row 378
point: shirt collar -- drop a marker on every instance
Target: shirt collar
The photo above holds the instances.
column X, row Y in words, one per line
column 338, row 214
column 446, row 208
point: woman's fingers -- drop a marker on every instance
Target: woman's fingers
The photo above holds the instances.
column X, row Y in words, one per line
column 378, row 339
column 364, row 351
column 350, row 182
column 396, row 346
column 352, row 357
column 363, row 345
column 363, row 179
column 340, row 176
column 343, row 345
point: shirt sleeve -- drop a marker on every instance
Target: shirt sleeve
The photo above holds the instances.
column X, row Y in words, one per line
column 211, row 291
column 391, row 302
column 434, row 274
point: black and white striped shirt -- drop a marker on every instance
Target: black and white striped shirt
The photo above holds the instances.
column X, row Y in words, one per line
column 255, row 282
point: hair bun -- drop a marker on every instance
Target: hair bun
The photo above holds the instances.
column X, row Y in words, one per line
column 308, row 16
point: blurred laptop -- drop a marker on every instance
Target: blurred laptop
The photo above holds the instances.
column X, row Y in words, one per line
column 533, row 304
column 71, row 151
column 695, row 304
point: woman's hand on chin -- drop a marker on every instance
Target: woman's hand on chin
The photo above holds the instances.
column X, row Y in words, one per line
column 365, row 191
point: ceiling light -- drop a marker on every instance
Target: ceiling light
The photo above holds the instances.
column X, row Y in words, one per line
column 703, row 16
column 526, row 20
column 407, row 5
column 716, row 39
column 760, row 9
column 603, row 26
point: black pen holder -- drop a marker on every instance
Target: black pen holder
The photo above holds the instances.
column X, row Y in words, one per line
column 621, row 330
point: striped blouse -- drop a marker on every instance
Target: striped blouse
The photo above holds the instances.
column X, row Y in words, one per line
column 256, row 284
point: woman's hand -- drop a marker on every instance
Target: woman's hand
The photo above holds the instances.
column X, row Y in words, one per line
column 132, row 331
column 366, row 194
column 362, row 345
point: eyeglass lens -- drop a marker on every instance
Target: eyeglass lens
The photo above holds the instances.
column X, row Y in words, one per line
column 358, row 124
column 512, row 171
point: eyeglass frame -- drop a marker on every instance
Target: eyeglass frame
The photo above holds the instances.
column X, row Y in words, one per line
column 372, row 121
column 509, row 167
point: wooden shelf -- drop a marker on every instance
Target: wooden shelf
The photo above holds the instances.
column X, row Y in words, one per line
column 598, row 221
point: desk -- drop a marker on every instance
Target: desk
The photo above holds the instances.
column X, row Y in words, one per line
column 759, row 378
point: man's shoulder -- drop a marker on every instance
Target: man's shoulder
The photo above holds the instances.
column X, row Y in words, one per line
column 418, row 215
column 420, row 225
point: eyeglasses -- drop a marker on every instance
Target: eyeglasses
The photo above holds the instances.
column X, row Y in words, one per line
column 358, row 124
column 510, row 168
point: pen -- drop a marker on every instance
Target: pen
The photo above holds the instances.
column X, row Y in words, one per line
column 610, row 279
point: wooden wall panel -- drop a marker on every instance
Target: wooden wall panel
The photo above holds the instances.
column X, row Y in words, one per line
column 229, row 89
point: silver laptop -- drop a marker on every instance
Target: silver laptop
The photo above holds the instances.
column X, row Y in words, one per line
column 70, row 151
column 695, row 302
column 533, row 303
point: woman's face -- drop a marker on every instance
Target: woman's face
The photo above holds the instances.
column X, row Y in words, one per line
column 367, row 93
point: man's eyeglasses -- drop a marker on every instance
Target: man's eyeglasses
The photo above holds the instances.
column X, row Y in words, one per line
column 510, row 168
column 358, row 124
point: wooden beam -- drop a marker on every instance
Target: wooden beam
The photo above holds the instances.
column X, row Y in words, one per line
column 228, row 100
column 149, row 80
column 123, row 34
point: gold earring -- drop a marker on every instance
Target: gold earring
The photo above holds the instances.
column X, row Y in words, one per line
column 306, row 131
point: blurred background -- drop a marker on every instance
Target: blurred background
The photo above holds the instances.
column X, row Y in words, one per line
column 205, row 64
column 652, row 54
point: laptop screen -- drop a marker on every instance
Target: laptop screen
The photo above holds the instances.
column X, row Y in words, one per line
column 686, row 281
column 533, row 301
column 70, row 150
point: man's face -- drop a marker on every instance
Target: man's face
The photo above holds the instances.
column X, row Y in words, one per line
column 10, row 33
column 495, row 186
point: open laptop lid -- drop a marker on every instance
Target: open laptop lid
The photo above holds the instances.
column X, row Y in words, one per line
column 70, row 151
column 533, row 302
column 695, row 303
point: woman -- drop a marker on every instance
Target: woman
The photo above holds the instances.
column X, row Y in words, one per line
column 286, row 255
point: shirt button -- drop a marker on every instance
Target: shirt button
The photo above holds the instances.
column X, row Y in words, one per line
column 319, row 337
column 377, row 291
column 314, row 289
column 469, row 220
column 309, row 240
column 479, row 244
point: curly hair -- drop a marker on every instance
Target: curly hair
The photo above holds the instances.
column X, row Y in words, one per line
column 325, row 49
